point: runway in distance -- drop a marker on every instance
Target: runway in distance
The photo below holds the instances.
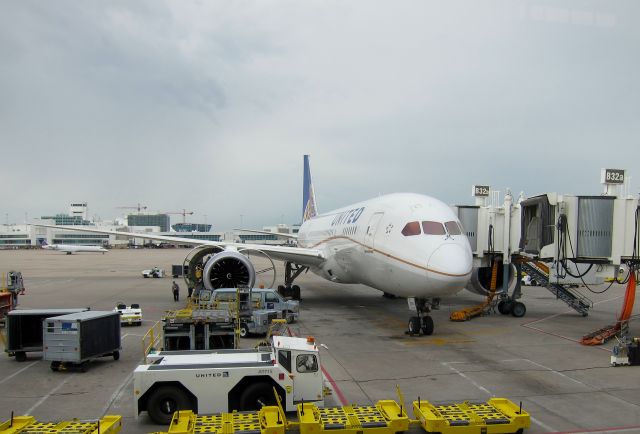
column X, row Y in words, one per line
column 70, row 249
column 404, row 244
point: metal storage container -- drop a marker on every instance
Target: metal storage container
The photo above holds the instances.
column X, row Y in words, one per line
column 77, row 338
column 24, row 329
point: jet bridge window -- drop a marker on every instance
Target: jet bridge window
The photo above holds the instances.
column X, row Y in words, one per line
column 411, row 228
column 306, row 363
column 433, row 228
column 453, row 228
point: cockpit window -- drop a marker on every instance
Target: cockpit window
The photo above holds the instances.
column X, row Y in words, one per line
column 433, row 228
column 453, row 228
column 411, row 228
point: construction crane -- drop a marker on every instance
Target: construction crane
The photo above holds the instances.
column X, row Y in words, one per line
column 138, row 207
column 184, row 213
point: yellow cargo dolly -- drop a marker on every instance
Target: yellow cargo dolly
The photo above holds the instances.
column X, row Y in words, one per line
column 386, row 417
column 28, row 425
column 496, row 416
column 268, row 420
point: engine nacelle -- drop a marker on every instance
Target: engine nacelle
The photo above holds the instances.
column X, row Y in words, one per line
column 228, row 269
column 480, row 282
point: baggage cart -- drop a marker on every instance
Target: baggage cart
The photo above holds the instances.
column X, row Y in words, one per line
column 74, row 340
column 24, row 330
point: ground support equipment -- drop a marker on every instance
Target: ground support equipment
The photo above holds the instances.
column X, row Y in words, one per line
column 496, row 416
column 268, row 420
column 198, row 329
column 540, row 273
column 386, row 417
column 472, row 312
column 620, row 327
column 28, row 425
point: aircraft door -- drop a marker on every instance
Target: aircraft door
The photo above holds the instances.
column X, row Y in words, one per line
column 369, row 236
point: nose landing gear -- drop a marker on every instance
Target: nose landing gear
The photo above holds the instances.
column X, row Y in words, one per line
column 423, row 322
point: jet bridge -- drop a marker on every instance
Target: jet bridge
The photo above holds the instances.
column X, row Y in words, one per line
column 562, row 240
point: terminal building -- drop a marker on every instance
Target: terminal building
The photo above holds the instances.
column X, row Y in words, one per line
column 27, row 236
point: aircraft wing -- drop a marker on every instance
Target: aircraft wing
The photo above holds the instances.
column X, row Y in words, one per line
column 298, row 255
column 291, row 236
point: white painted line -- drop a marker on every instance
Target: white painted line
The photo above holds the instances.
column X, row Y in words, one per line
column 485, row 390
column 44, row 398
column 558, row 373
column 478, row 386
column 117, row 393
column 17, row 372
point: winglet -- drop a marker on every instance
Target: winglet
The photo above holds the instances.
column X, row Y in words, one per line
column 309, row 209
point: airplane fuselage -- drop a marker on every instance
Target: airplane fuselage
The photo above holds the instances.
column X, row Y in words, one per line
column 69, row 249
column 369, row 243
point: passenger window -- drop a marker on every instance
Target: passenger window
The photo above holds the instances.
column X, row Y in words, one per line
column 453, row 228
column 284, row 358
column 433, row 228
column 306, row 363
column 411, row 228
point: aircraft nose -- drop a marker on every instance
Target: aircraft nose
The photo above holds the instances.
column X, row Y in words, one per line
column 451, row 260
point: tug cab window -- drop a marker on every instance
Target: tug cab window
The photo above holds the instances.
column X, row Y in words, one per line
column 453, row 228
column 411, row 228
column 433, row 228
column 284, row 358
column 306, row 363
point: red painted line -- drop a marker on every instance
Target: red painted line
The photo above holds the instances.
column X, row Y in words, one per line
column 610, row 429
column 334, row 385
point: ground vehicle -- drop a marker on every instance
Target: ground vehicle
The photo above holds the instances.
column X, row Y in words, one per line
column 75, row 339
column 154, row 272
column 261, row 299
column 24, row 330
column 131, row 315
column 528, row 281
column 225, row 380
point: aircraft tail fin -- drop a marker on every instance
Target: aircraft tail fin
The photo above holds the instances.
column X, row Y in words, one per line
column 43, row 243
column 309, row 209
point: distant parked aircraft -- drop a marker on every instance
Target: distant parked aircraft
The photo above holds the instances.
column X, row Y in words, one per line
column 70, row 249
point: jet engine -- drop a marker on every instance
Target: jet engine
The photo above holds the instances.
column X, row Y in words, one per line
column 214, row 267
column 480, row 282
column 228, row 269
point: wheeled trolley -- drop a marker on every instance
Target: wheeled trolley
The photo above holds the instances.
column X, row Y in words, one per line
column 74, row 340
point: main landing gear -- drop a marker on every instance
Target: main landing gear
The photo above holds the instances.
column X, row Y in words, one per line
column 423, row 322
column 291, row 271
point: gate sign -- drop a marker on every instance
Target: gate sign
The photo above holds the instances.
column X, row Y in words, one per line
column 612, row 176
column 480, row 190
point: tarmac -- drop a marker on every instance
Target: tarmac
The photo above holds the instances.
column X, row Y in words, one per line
column 536, row 360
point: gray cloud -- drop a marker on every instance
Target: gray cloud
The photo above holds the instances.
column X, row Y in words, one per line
column 209, row 106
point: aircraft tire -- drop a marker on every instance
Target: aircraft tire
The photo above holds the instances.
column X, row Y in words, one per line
column 414, row 325
column 427, row 325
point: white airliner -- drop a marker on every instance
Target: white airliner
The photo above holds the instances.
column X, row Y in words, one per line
column 70, row 249
column 403, row 244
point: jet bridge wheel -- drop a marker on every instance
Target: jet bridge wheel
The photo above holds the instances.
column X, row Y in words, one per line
column 518, row 309
column 505, row 306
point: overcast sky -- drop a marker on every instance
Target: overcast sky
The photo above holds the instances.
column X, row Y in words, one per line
column 210, row 105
